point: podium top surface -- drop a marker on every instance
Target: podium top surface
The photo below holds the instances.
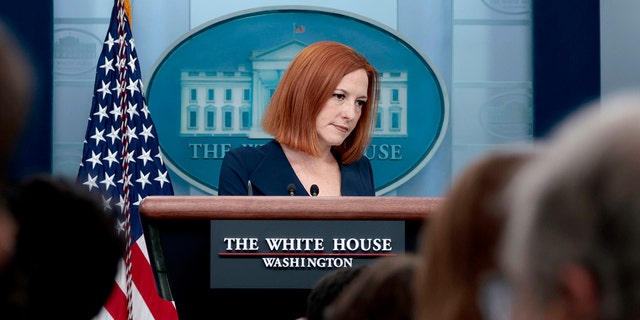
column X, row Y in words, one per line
column 287, row 208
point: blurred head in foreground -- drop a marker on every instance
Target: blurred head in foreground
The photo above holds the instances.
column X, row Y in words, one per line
column 572, row 243
column 383, row 290
column 459, row 243
column 16, row 89
column 17, row 82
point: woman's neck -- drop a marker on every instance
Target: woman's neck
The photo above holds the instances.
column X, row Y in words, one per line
column 323, row 171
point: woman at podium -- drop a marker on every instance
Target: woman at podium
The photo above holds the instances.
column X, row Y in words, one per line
column 321, row 117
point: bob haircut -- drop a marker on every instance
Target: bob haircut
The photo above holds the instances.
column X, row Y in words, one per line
column 306, row 85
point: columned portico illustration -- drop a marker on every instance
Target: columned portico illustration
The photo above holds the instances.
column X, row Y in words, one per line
column 231, row 102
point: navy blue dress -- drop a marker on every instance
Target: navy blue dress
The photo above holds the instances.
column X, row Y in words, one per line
column 270, row 173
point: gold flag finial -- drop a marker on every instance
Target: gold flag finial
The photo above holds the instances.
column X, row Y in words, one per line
column 127, row 10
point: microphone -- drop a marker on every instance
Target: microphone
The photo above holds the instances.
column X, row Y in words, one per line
column 314, row 190
column 291, row 188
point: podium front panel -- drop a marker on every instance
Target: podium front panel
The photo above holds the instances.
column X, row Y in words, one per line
column 295, row 254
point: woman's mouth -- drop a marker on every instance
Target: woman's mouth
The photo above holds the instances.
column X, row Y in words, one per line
column 342, row 129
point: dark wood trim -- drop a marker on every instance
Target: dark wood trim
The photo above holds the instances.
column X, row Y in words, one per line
column 287, row 208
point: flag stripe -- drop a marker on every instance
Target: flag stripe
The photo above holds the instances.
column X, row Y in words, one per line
column 145, row 284
column 116, row 305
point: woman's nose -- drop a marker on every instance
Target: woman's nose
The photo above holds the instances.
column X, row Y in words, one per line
column 350, row 110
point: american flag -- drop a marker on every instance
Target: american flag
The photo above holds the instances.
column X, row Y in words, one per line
column 122, row 160
column 298, row 28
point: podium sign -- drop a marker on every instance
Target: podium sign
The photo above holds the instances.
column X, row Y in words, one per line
column 294, row 254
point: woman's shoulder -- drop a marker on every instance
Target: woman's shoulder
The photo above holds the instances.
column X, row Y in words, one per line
column 362, row 162
column 253, row 150
column 357, row 178
column 251, row 156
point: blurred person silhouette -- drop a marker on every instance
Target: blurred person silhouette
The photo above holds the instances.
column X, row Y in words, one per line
column 8, row 234
column 382, row 291
column 571, row 245
column 17, row 82
column 459, row 243
column 321, row 116
column 58, row 249
column 67, row 251
column 327, row 289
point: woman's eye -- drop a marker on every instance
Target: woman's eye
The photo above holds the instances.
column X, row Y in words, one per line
column 361, row 103
column 339, row 96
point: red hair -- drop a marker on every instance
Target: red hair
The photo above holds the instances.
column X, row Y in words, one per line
column 306, row 85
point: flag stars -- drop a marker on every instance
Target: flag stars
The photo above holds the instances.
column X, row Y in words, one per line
column 104, row 89
column 146, row 132
column 91, row 182
column 98, row 136
column 132, row 63
column 140, row 198
column 106, row 203
column 159, row 156
column 111, row 157
column 131, row 134
column 132, row 110
column 145, row 156
column 114, row 134
column 121, row 63
column 107, row 66
column 116, row 112
column 143, row 180
column 128, row 180
column 129, row 157
column 102, row 113
column 119, row 88
column 162, row 178
column 120, row 204
column 110, row 41
column 122, row 224
column 94, row 159
column 145, row 110
column 133, row 86
column 108, row 181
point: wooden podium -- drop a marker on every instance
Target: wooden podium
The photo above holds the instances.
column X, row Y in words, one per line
column 178, row 238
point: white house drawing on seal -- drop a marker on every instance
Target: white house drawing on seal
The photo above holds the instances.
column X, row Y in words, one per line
column 231, row 103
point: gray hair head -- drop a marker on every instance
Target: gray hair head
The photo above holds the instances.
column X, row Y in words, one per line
column 579, row 202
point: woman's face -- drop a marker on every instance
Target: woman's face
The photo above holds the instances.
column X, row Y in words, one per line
column 340, row 114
